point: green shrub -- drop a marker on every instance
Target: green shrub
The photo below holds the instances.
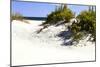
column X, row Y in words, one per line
column 78, row 36
column 87, row 24
column 87, row 20
column 60, row 14
column 75, row 27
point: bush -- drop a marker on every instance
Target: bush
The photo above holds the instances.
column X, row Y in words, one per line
column 60, row 14
column 87, row 24
column 75, row 27
column 78, row 36
column 87, row 20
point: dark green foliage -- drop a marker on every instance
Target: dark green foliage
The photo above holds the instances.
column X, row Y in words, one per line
column 78, row 36
column 87, row 20
column 75, row 27
column 87, row 24
column 60, row 14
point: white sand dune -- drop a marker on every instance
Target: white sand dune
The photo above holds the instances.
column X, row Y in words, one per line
column 28, row 47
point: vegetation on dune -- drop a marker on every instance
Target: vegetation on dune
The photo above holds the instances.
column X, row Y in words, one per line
column 87, row 24
column 19, row 17
column 62, row 13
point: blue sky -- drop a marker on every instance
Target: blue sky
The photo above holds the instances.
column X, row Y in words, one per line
column 33, row 9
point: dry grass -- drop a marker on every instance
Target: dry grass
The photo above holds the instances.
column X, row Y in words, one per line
column 19, row 17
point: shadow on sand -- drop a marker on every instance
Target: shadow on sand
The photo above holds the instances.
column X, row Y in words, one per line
column 66, row 36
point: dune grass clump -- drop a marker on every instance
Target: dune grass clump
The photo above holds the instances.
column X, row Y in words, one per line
column 87, row 24
column 62, row 13
column 19, row 17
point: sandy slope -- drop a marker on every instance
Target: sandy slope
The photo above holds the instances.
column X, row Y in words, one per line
column 28, row 47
